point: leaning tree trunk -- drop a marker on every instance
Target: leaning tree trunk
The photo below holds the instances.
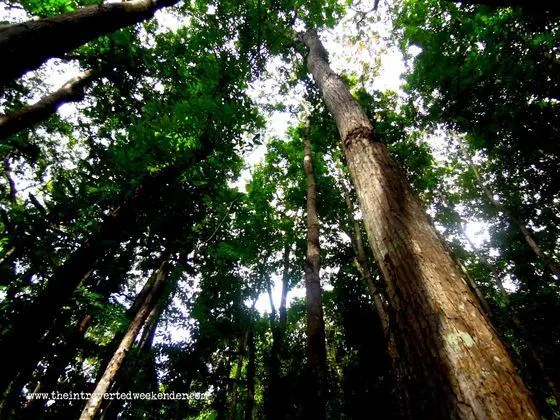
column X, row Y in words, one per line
column 71, row 91
column 316, row 351
column 25, row 46
column 457, row 367
column 151, row 298
column 65, row 350
column 362, row 264
column 143, row 362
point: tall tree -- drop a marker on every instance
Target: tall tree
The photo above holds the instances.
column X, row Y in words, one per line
column 316, row 352
column 276, row 409
column 448, row 344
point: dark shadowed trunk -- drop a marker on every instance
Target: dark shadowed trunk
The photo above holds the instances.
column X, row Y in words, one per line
column 49, row 380
column 33, row 321
column 456, row 365
column 250, row 399
column 237, row 379
column 25, row 46
column 71, row 91
column 150, row 300
column 362, row 266
column 276, row 392
column 69, row 341
column 315, row 405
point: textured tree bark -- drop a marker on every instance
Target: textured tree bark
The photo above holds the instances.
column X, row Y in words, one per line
column 19, row 341
column 275, row 404
column 456, row 365
column 92, row 407
column 25, row 46
column 71, row 91
column 315, row 405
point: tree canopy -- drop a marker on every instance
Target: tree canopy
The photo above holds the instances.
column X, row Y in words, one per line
column 155, row 209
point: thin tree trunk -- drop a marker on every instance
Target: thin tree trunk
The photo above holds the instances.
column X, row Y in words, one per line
column 315, row 404
column 130, row 314
column 250, row 399
column 276, row 406
column 71, row 91
column 240, row 356
column 361, row 261
column 363, row 268
column 92, row 407
column 8, row 172
column 457, row 367
column 123, row 382
column 150, row 327
column 548, row 262
column 25, row 46
column 18, row 344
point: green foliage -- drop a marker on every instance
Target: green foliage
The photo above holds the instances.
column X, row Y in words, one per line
column 178, row 99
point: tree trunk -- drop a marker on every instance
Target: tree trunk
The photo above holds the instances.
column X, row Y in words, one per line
column 19, row 342
column 456, row 365
column 92, row 407
column 68, row 342
column 316, row 351
column 144, row 363
column 25, row 46
column 361, row 262
column 71, row 91
column 275, row 403
column 234, row 384
column 250, row 399
column 363, row 268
